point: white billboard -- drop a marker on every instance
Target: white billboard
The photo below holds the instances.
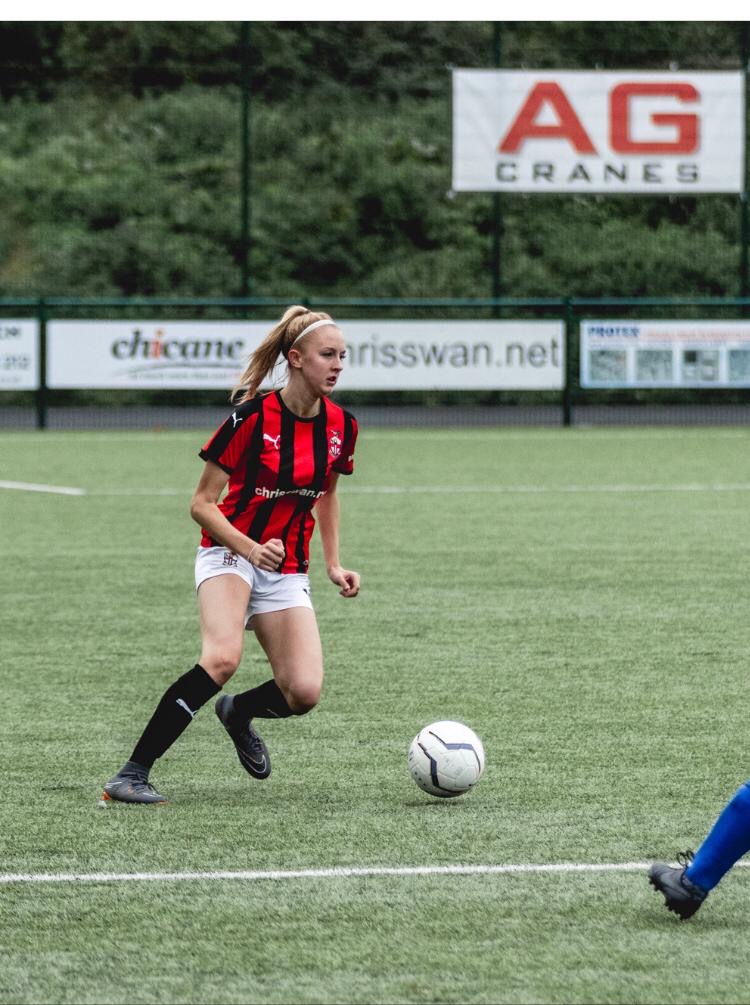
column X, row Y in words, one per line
column 596, row 131
column 19, row 354
column 148, row 354
column 454, row 355
column 623, row 353
column 381, row 355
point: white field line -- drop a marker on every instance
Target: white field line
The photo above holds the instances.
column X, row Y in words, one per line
column 589, row 433
column 152, row 493
column 334, row 873
column 343, row 872
column 60, row 490
column 470, row 489
column 68, row 490
column 467, row 433
column 549, row 489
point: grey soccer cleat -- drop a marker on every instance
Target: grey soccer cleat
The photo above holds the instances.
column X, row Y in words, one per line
column 251, row 750
column 681, row 896
column 131, row 789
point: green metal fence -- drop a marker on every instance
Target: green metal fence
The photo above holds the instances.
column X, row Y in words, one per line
column 570, row 405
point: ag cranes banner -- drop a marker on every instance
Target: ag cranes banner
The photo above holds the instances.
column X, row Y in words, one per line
column 595, row 131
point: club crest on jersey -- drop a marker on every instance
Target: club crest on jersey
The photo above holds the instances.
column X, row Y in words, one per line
column 334, row 443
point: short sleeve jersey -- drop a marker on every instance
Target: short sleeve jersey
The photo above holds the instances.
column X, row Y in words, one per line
column 279, row 465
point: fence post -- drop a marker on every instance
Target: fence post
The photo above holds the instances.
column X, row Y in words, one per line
column 41, row 394
column 497, row 210
column 245, row 161
column 744, row 222
column 567, row 394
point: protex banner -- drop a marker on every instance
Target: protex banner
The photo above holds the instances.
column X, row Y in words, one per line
column 551, row 131
column 385, row 355
column 665, row 353
column 19, row 354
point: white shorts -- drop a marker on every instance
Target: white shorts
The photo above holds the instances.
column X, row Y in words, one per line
column 269, row 591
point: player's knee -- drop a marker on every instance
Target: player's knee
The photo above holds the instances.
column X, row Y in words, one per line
column 221, row 665
column 303, row 697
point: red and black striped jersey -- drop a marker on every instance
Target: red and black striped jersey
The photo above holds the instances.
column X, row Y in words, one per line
column 279, row 465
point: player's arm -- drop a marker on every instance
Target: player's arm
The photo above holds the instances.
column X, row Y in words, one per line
column 204, row 509
column 328, row 517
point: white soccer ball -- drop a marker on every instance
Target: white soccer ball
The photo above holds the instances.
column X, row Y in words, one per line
column 446, row 758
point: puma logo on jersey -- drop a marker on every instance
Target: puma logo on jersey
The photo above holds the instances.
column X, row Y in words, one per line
column 273, row 440
column 236, row 420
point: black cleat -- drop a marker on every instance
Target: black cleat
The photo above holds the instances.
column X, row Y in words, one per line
column 681, row 895
column 131, row 789
column 251, row 750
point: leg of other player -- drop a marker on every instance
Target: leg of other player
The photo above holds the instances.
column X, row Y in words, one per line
column 727, row 842
column 685, row 889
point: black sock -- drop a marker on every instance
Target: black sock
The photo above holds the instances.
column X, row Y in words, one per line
column 173, row 714
column 263, row 702
column 134, row 770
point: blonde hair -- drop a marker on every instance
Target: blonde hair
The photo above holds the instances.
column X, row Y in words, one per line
column 278, row 342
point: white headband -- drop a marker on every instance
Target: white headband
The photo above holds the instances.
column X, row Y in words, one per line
column 311, row 328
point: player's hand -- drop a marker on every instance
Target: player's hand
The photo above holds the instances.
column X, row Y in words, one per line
column 348, row 581
column 267, row 556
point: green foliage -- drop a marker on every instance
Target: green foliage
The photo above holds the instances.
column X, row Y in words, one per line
column 652, row 247
column 120, row 164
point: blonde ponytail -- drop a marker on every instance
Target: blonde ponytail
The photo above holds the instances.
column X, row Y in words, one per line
column 277, row 343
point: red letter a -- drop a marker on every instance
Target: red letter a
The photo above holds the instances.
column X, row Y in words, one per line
column 569, row 127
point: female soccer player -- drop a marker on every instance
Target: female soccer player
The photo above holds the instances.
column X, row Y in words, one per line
column 281, row 455
column 686, row 888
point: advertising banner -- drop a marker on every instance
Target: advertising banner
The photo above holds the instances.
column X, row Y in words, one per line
column 625, row 353
column 596, row 131
column 19, row 354
column 381, row 355
column 149, row 354
column 454, row 355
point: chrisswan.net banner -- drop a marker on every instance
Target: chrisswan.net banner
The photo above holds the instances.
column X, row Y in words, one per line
column 592, row 131
column 381, row 355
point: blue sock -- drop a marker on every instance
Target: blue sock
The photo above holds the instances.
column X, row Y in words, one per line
column 727, row 842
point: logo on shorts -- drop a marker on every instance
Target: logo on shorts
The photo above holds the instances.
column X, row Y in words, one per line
column 334, row 443
column 230, row 559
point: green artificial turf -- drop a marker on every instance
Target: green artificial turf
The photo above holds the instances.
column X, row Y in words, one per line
column 577, row 597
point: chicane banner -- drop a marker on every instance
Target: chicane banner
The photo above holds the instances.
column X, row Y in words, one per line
column 625, row 353
column 19, row 354
column 594, row 131
column 381, row 355
column 149, row 354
